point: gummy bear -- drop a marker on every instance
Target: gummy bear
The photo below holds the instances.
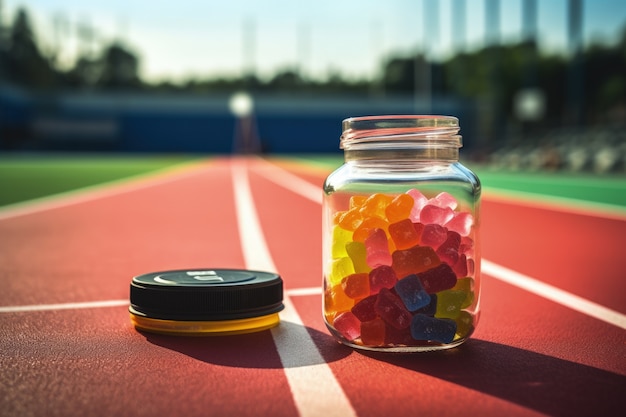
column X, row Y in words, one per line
column 391, row 309
column 434, row 329
column 377, row 249
column 373, row 332
column 382, row 277
column 432, row 214
column 464, row 324
column 433, row 235
column 399, row 208
column 439, row 278
column 448, row 251
column 411, row 292
column 431, row 308
column 449, row 303
column 460, row 268
column 356, row 285
column 461, row 223
column 364, row 309
column 357, row 201
column 414, row 260
column 444, row 200
column 356, row 252
column 340, row 268
column 348, row 325
column 336, row 300
column 467, row 246
column 367, row 226
column 404, row 234
column 350, row 220
column 401, row 337
column 467, row 285
column 375, row 205
column 419, row 201
column 341, row 237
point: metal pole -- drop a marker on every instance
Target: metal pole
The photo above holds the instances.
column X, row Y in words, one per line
column 575, row 87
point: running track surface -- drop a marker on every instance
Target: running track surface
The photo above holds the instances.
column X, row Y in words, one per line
column 551, row 339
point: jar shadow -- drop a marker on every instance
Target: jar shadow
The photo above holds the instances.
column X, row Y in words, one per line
column 544, row 383
column 254, row 350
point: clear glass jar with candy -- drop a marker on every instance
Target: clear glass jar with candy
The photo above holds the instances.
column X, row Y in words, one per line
column 401, row 246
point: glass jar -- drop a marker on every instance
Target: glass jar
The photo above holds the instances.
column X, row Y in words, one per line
column 401, row 247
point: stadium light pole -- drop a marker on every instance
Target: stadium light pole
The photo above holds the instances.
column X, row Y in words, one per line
column 303, row 49
column 249, row 50
column 575, row 87
column 423, row 72
column 529, row 101
column 492, row 40
column 458, row 37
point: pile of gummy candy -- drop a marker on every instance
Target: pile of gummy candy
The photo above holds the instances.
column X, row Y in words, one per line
column 401, row 270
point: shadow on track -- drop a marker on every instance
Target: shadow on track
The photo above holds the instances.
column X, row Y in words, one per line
column 251, row 350
column 547, row 384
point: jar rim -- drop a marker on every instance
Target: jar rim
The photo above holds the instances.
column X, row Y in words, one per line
column 435, row 130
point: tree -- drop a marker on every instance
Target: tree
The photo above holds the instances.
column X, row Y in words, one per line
column 25, row 63
column 119, row 69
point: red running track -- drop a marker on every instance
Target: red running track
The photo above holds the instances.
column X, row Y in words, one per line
column 529, row 356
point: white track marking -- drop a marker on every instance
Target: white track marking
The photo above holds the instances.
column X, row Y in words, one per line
column 63, row 306
column 290, row 181
column 297, row 292
column 315, row 390
column 512, row 277
column 103, row 190
column 555, row 294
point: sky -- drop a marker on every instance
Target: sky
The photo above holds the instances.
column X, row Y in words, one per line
column 179, row 39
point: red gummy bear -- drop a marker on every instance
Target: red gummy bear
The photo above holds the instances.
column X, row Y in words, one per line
column 414, row 260
column 391, row 309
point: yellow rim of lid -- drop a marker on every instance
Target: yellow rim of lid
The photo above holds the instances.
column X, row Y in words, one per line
column 205, row 328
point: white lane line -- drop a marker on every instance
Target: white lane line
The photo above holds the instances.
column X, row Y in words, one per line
column 555, row 294
column 512, row 277
column 63, row 306
column 290, row 181
column 315, row 390
column 103, row 190
column 297, row 292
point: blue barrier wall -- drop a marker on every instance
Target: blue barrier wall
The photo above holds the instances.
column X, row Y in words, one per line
column 202, row 124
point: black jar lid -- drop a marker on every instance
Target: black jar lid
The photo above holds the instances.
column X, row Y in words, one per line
column 206, row 294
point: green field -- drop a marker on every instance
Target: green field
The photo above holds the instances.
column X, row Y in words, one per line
column 24, row 177
column 587, row 187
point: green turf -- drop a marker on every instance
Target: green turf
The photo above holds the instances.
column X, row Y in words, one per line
column 604, row 189
column 587, row 187
column 26, row 177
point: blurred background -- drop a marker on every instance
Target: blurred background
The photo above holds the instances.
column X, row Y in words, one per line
column 536, row 84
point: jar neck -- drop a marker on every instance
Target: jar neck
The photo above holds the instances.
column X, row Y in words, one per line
column 436, row 154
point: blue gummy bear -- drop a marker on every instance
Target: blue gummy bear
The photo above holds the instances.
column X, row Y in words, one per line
column 412, row 293
column 431, row 308
column 431, row 328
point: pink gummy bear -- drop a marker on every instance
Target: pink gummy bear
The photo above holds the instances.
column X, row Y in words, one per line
column 419, row 201
column 461, row 223
column 432, row 214
column 377, row 249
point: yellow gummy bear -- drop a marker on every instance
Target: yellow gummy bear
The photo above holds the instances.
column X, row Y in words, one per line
column 339, row 269
column 357, row 253
column 341, row 237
